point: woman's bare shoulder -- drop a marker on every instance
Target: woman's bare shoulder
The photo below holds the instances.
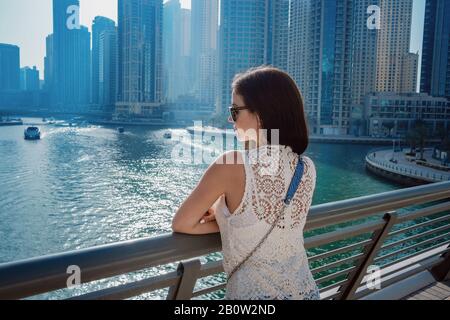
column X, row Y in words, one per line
column 230, row 159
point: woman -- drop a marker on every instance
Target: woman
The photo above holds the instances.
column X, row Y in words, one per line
column 242, row 194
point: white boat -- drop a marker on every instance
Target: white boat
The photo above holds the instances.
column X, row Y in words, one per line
column 32, row 133
column 210, row 131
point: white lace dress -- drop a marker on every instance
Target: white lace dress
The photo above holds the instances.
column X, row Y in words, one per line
column 279, row 269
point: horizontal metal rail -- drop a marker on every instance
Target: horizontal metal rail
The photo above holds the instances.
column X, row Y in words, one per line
column 416, row 236
column 334, row 275
column 415, row 261
column 411, row 247
column 346, row 210
column 337, row 263
column 419, row 225
column 334, row 252
column 35, row 276
column 342, row 234
column 208, row 290
column 334, row 285
column 132, row 289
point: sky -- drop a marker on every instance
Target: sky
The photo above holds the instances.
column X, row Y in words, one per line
column 27, row 23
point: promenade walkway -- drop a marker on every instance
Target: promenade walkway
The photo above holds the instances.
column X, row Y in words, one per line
column 397, row 163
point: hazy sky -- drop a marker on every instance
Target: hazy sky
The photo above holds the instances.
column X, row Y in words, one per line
column 26, row 23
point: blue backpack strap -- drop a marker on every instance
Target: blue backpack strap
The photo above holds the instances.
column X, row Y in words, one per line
column 296, row 179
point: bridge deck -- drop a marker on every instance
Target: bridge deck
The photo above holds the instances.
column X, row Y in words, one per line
column 435, row 291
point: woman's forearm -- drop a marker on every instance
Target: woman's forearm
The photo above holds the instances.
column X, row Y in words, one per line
column 198, row 229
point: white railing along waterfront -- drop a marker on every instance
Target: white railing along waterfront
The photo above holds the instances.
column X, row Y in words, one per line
column 406, row 170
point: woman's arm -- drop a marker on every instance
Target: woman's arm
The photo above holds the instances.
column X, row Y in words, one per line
column 212, row 185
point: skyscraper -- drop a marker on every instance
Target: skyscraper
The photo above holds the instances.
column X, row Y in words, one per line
column 140, row 56
column 278, row 33
column 176, row 34
column 204, row 45
column 29, row 79
column 320, row 56
column 99, row 25
column 9, row 67
column 71, row 59
column 337, row 56
column 435, row 72
column 186, row 60
column 410, row 67
column 242, row 42
column 393, row 44
column 48, row 63
column 107, row 69
column 381, row 60
column 298, row 50
column 364, row 55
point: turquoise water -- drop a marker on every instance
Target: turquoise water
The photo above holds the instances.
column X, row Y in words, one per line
column 85, row 186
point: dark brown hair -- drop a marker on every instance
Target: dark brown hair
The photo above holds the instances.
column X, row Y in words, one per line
column 274, row 96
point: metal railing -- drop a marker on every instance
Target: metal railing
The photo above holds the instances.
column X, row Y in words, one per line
column 403, row 232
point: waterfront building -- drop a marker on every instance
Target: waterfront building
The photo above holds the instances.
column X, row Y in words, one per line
column 251, row 34
column 104, row 56
column 140, row 57
column 71, row 61
column 29, row 79
column 400, row 111
column 177, row 38
column 204, row 45
column 9, row 67
column 320, row 57
column 435, row 72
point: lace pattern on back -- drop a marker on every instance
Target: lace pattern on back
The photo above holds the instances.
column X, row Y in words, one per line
column 269, row 176
column 279, row 269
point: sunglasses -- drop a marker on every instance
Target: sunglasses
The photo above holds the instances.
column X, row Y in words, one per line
column 234, row 111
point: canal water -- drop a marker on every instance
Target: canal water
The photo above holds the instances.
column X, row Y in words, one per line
column 86, row 186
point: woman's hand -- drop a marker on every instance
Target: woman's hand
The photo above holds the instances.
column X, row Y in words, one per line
column 209, row 216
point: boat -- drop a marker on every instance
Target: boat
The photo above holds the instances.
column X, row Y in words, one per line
column 168, row 135
column 210, row 131
column 121, row 129
column 32, row 133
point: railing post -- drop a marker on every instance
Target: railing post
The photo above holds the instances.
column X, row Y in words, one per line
column 188, row 270
column 370, row 252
